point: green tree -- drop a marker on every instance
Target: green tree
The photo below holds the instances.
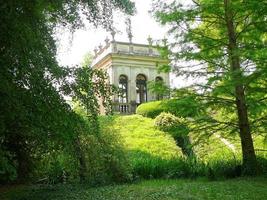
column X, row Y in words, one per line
column 33, row 113
column 177, row 128
column 159, row 88
column 224, row 42
column 91, row 89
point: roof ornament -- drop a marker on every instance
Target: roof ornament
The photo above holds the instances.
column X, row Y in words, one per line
column 96, row 51
column 112, row 30
column 100, row 47
column 107, row 41
column 164, row 41
column 113, row 33
column 129, row 29
column 150, row 50
column 149, row 39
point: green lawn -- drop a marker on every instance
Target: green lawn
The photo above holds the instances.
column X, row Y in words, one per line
column 141, row 138
column 242, row 188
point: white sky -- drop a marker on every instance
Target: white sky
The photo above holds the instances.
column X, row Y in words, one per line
column 72, row 50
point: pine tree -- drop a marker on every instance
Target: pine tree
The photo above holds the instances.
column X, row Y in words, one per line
column 223, row 43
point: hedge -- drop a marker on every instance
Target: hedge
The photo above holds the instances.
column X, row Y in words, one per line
column 184, row 107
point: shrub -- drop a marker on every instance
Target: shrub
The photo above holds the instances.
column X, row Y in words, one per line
column 183, row 107
column 223, row 169
column 150, row 109
column 171, row 124
column 178, row 129
column 148, row 167
column 8, row 171
column 103, row 153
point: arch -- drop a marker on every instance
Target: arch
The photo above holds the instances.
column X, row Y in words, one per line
column 141, row 88
column 158, row 79
column 123, row 87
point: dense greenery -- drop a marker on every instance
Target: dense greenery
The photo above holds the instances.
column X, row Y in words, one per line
column 151, row 153
column 154, row 154
column 178, row 129
column 46, row 140
column 35, row 120
column 222, row 43
column 186, row 106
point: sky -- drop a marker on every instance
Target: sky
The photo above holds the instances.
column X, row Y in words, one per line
column 72, row 48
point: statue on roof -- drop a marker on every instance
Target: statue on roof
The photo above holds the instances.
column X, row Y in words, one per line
column 129, row 29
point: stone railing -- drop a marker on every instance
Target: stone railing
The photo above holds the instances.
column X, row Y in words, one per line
column 124, row 108
column 124, row 48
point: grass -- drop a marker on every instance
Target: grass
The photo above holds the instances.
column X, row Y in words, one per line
column 154, row 154
column 233, row 189
column 140, row 136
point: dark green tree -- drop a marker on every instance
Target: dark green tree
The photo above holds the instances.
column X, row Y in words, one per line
column 33, row 113
column 224, row 43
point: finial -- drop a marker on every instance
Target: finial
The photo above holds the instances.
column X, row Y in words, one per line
column 149, row 39
column 106, row 41
column 113, row 33
column 95, row 50
column 100, row 47
column 129, row 29
column 164, row 41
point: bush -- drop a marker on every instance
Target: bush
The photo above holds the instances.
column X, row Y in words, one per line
column 183, row 107
column 8, row 170
column 103, row 154
column 150, row 109
column 146, row 166
column 223, row 169
column 178, row 129
column 171, row 124
column 106, row 158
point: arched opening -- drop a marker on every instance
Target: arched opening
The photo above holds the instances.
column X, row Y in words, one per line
column 159, row 83
column 159, row 79
column 141, row 89
column 123, row 87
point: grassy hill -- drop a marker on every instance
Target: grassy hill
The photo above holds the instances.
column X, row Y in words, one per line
column 140, row 136
column 154, row 154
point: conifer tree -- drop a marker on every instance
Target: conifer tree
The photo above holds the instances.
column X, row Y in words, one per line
column 224, row 43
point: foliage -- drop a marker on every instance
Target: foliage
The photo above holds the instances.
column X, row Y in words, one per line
column 180, row 106
column 105, row 157
column 172, row 124
column 34, row 117
column 90, row 89
column 154, row 154
column 178, row 129
column 103, row 154
column 224, row 44
column 159, row 88
column 151, row 152
column 8, row 170
column 150, row 109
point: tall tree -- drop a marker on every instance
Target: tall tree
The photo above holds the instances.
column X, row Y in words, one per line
column 32, row 111
column 223, row 42
column 89, row 89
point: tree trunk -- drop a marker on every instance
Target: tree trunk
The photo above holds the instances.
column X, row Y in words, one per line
column 81, row 159
column 185, row 144
column 249, row 158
